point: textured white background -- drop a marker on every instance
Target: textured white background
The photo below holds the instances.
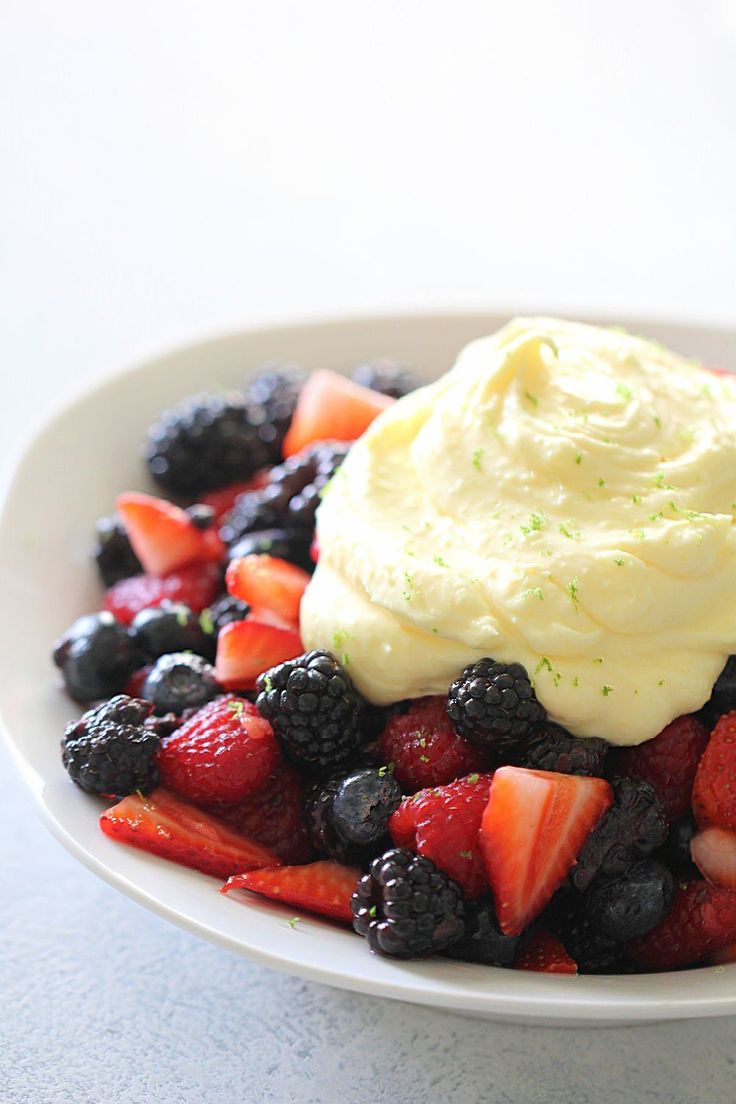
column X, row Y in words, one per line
column 169, row 168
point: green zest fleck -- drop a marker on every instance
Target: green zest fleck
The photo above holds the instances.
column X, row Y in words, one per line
column 661, row 682
column 236, row 707
column 268, row 684
column 424, row 758
column 637, row 533
column 181, row 618
column 543, row 665
column 440, row 561
column 572, row 589
column 606, row 691
column 576, row 681
column 408, row 593
column 534, row 592
column 578, row 457
column 422, row 741
column 533, row 399
column 636, row 499
column 601, row 482
column 477, row 458
column 657, row 516
column 535, row 523
column 388, row 769
column 473, row 778
column 571, row 534
column 557, row 678
column 435, row 631
column 619, row 561
column 624, row 392
column 660, row 483
column 293, row 922
column 465, row 854
column 373, row 912
column 598, row 659
column 206, row 623
column 657, row 421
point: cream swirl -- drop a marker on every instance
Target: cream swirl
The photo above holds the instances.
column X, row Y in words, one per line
column 563, row 497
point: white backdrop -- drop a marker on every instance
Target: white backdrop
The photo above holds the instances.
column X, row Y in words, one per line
column 169, row 168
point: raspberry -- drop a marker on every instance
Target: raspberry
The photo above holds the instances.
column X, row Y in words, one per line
column 668, row 763
column 221, row 755
column 274, row 816
column 425, row 749
column 196, row 586
column 702, row 920
column 443, row 825
column 714, row 791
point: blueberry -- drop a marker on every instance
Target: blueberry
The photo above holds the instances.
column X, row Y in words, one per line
column 363, row 802
column 96, row 655
column 223, row 612
column 171, row 627
column 179, row 681
column 631, row 906
column 483, row 940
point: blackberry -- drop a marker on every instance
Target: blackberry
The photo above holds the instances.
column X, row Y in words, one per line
column 554, row 749
column 483, row 940
column 676, row 848
column 96, row 655
column 272, row 396
column 205, row 442
column 387, row 376
column 111, row 750
column 318, row 816
column 113, row 552
column 493, row 705
column 592, row 952
column 348, row 816
column 406, row 907
column 179, row 681
column 314, row 709
column 630, row 906
column 171, row 627
column 633, row 827
column 223, row 612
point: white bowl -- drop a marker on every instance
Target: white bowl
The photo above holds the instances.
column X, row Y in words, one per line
column 67, row 478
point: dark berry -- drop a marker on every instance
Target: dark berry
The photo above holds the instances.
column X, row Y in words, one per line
column 202, row 515
column 286, row 544
column 363, row 802
column 171, row 627
column 207, row 441
column 113, row 551
column 387, row 376
column 553, row 749
column 96, row 655
column 630, row 906
column 271, row 396
column 111, row 750
column 634, row 827
column 592, row 952
column 223, row 612
column 676, row 848
column 483, row 940
column 723, row 696
column 315, row 710
column 320, row 826
column 406, row 907
column 493, row 705
column 179, row 681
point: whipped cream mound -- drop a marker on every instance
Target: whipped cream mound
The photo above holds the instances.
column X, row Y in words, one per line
column 564, row 497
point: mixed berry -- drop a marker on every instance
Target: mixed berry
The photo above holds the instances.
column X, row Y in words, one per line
column 466, row 824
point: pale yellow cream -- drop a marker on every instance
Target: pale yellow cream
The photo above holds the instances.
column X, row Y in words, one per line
column 563, row 497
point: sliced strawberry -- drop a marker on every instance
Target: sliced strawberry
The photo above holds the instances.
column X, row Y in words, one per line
column 714, row 853
column 701, row 922
column 714, row 790
column 196, row 585
column 324, row 887
column 175, row 830
column 533, row 828
column 247, row 648
column 332, row 408
column 164, row 536
column 266, row 582
column 223, row 499
column 546, row 954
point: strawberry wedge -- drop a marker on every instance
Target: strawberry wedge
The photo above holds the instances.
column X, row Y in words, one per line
column 332, row 408
column 268, row 583
column 546, row 955
column 323, row 887
column 532, row 831
column 163, row 535
column 714, row 853
column 247, row 648
column 165, row 825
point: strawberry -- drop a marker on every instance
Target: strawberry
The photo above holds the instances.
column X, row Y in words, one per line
column 714, row 791
column 546, row 954
column 275, row 815
column 425, row 749
column 163, row 536
column 532, row 830
column 332, row 408
column 196, row 585
column 223, row 754
column 324, row 887
column 701, row 922
column 223, row 498
column 714, row 853
column 247, row 648
column 268, row 583
column 668, row 763
column 176, row 830
column 443, row 824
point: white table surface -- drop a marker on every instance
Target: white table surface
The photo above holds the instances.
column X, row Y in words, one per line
column 172, row 168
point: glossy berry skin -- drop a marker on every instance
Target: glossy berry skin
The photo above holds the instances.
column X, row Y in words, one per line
column 363, row 803
column 668, row 763
column 388, row 377
column 702, row 920
column 113, row 552
column 714, row 789
column 631, row 906
column 272, row 396
column 631, row 830
column 171, row 627
column 493, row 705
column 96, row 655
column 424, row 747
column 483, row 940
column 179, row 681
column 551, row 748
column 196, row 586
column 223, row 612
column 110, row 749
column 406, row 908
column 274, row 815
column 221, row 755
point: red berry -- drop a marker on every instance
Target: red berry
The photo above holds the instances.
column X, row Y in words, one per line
column 546, row 954
column 163, row 536
column 532, row 831
column 196, row 586
column 425, row 749
column 668, row 763
column 332, row 408
column 714, row 853
column 162, row 823
column 223, row 754
column 702, row 921
column 134, row 686
column 443, row 824
column 714, row 791
column 268, row 583
column 245, row 649
column 275, row 816
column 324, row 887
